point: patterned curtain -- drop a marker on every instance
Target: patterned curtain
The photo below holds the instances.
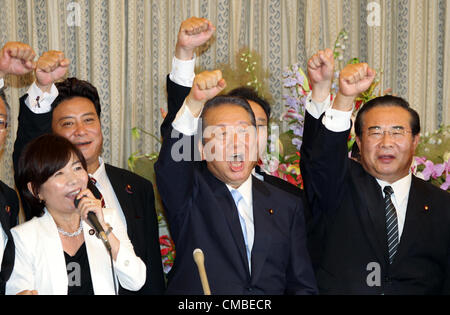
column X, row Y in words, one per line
column 125, row 49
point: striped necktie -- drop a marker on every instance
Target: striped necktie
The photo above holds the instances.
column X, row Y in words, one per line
column 391, row 223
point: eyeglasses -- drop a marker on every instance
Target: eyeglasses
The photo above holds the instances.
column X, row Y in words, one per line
column 3, row 125
column 395, row 133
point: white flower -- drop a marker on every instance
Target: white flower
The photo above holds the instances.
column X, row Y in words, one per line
column 447, row 156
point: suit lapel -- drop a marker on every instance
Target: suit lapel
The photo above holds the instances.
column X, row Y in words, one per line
column 229, row 209
column 261, row 219
column 370, row 207
column 9, row 253
column 412, row 226
column 124, row 193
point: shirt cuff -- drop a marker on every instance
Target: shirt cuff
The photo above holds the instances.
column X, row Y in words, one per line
column 316, row 109
column 185, row 122
column 336, row 120
column 183, row 72
column 2, row 83
column 39, row 102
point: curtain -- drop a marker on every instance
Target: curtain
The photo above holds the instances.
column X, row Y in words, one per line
column 125, row 49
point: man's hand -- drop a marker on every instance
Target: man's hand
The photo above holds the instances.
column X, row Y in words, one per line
column 193, row 33
column 353, row 80
column 207, row 85
column 51, row 67
column 16, row 58
column 320, row 74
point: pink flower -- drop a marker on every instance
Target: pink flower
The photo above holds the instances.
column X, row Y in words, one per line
column 432, row 170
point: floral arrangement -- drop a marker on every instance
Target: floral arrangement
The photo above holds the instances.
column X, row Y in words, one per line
column 432, row 161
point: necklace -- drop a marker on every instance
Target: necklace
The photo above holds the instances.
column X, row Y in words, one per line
column 76, row 233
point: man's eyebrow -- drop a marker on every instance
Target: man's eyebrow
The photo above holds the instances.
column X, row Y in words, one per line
column 71, row 117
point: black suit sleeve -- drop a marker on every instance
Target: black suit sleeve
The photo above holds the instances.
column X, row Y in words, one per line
column 324, row 165
column 175, row 177
column 30, row 127
column 176, row 95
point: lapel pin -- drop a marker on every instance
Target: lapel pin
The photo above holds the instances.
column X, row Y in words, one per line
column 8, row 209
column 271, row 212
column 128, row 189
column 426, row 208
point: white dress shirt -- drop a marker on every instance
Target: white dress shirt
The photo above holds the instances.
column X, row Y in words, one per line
column 3, row 241
column 3, row 237
column 44, row 103
column 399, row 198
column 245, row 208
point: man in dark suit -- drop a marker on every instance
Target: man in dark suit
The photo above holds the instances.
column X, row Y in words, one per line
column 253, row 234
column 72, row 109
column 377, row 229
column 194, row 33
column 15, row 58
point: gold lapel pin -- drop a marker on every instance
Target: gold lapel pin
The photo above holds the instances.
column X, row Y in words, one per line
column 271, row 211
column 426, row 208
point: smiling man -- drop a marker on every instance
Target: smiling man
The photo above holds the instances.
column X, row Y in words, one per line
column 253, row 235
column 376, row 228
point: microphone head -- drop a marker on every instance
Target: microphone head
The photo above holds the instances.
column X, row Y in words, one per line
column 198, row 256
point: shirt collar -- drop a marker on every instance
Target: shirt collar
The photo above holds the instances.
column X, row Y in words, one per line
column 100, row 173
column 400, row 187
column 246, row 190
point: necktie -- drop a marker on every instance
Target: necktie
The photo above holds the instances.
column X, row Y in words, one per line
column 246, row 223
column 97, row 194
column 391, row 223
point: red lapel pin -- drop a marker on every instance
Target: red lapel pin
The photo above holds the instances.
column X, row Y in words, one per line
column 8, row 209
column 128, row 189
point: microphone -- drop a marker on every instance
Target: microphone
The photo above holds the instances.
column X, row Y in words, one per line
column 93, row 220
column 199, row 259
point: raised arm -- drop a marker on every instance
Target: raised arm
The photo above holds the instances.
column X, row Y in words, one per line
column 324, row 149
column 35, row 106
column 175, row 167
column 193, row 33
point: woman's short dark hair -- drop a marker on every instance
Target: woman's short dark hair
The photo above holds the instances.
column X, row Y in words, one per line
column 386, row 101
column 250, row 94
column 40, row 159
column 73, row 87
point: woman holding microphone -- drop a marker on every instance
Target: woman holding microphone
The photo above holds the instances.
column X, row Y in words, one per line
column 58, row 252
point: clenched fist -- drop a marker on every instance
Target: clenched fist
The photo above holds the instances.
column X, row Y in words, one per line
column 16, row 58
column 207, row 85
column 51, row 67
column 320, row 74
column 193, row 33
column 354, row 79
